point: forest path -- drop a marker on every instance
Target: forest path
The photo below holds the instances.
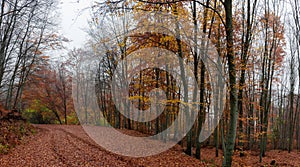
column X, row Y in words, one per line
column 67, row 146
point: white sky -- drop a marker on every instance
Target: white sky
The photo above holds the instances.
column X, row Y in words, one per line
column 73, row 20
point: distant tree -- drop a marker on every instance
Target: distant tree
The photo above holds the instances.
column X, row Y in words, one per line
column 52, row 89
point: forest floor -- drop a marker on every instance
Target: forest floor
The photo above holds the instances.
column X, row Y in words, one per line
column 55, row 145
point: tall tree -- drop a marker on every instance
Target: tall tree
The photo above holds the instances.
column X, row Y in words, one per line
column 26, row 31
column 230, row 138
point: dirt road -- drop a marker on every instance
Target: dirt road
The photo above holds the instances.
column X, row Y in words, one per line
column 69, row 146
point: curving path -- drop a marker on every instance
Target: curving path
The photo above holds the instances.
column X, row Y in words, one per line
column 67, row 146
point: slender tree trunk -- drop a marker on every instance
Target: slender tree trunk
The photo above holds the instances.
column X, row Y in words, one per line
column 244, row 61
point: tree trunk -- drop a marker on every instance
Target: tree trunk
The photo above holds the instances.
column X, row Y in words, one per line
column 231, row 136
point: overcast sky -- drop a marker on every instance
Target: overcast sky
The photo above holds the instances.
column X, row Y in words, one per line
column 73, row 20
